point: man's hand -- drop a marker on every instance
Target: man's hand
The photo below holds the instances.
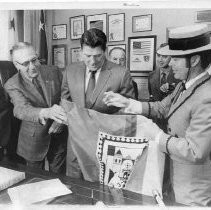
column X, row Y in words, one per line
column 115, row 99
column 55, row 113
column 165, row 87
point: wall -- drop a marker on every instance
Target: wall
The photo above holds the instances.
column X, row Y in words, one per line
column 161, row 19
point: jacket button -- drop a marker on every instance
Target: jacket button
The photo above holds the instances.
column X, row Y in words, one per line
column 169, row 129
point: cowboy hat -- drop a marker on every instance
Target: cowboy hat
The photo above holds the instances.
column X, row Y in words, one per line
column 187, row 40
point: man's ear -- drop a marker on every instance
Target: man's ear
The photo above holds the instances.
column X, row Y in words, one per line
column 16, row 65
column 194, row 60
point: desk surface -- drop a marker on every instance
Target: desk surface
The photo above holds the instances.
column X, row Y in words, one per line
column 84, row 192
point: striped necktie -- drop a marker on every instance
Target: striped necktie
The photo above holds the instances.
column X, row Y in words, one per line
column 37, row 85
column 90, row 89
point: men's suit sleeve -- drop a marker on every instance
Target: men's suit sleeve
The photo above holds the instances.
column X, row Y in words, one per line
column 65, row 92
column 23, row 109
column 196, row 145
column 127, row 88
column 159, row 109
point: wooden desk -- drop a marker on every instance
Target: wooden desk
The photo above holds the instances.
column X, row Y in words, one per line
column 84, row 192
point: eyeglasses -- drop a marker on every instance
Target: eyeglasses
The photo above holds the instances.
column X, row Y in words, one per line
column 27, row 63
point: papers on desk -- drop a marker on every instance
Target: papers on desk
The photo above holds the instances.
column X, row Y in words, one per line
column 9, row 177
column 38, row 191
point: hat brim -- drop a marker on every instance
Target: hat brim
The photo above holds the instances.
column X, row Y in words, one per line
column 166, row 51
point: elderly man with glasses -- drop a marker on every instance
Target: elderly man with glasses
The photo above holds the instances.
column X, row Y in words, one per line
column 35, row 92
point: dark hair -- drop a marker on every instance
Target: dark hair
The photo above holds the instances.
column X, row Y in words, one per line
column 94, row 38
column 205, row 58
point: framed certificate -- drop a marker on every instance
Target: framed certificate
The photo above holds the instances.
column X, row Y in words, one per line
column 142, row 53
column 116, row 27
column 59, row 31
column 97, row 21
column 59, row 55
column 142, row 23
column 75, row 55
column 76, row 27
column 142, row 85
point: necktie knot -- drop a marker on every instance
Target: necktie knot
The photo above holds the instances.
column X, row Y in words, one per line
column 92, row 73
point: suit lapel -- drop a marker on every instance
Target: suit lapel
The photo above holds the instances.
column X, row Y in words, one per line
column 187, row 94
column 4, row 76
column 101, row 82
column 29, row 87
column 80, row 80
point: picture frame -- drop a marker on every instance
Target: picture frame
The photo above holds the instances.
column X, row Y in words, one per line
column 59, row 31
column 59, row 55
column 116, row 27
column 75, row 54
column 142, row 85
column 142, row 23
column 141, row 51
column 119, row 56
column 77, row 26
column 97, row 21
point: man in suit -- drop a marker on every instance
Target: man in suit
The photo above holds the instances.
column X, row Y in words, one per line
column 85, row 82
column 188, row 111
column 9, row 126
column 161, row 81
column 35, row 92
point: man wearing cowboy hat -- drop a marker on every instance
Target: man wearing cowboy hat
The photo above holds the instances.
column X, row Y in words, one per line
column 188, row 112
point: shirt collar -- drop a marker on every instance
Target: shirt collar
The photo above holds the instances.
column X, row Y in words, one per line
column 192, row 81
column 89, row 71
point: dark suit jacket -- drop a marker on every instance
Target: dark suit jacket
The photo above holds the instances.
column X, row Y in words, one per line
column 112, row 78
column 34, row 139
column 8, row 124
column 154, row 84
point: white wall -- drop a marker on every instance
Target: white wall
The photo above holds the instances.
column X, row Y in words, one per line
column 161, row 19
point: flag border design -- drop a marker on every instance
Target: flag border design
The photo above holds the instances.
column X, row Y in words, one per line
column 102, row 137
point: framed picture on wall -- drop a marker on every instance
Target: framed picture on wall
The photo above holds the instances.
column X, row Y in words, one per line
column 117, row 54
column 141, row 53
column 77, row 26
column 75, row 54
column 142, row 85
column 116, row 27
column 59, row 31
column 59, row 55
column 97, row 21
column 142, row 23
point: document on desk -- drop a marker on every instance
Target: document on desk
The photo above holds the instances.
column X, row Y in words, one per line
column 38, row 191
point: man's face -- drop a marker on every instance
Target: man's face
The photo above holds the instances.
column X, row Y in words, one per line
column 93, row 57
column 26, row 62
column 179, row 67
column 163, row 60
column 118, row 56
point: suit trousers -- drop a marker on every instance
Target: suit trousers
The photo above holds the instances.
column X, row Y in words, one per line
column 56, row 155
